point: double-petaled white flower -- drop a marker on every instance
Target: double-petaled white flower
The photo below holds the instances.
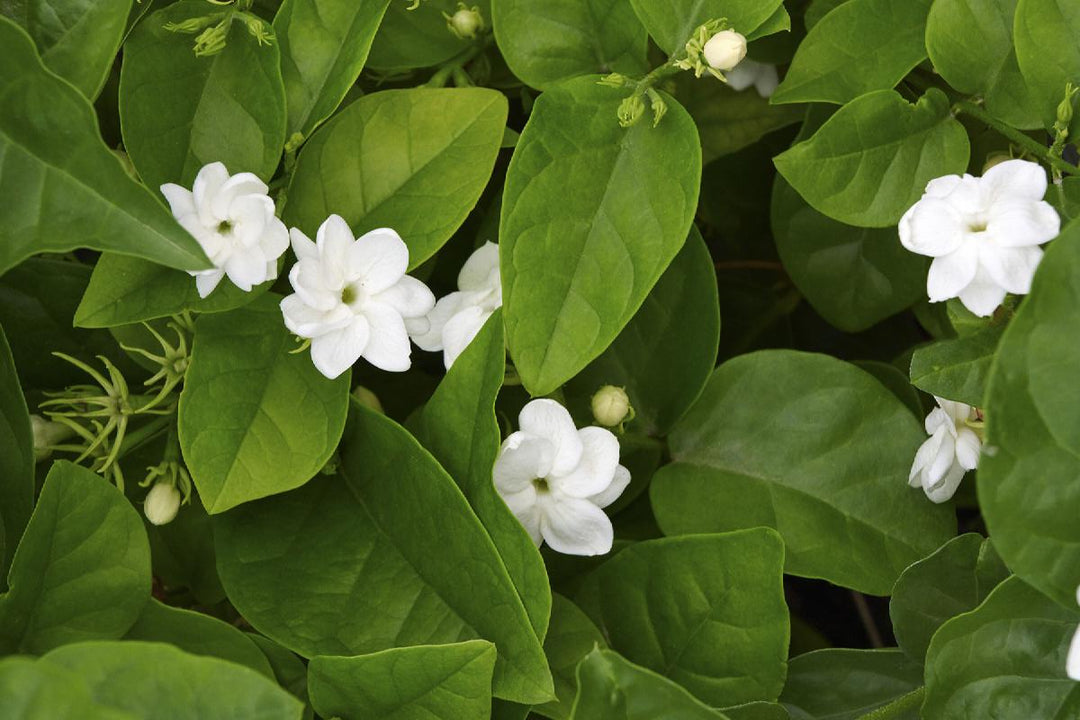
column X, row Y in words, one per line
column 1072, row 663
column 352, row 297
column 983, row 233
column 762, row 76
column 952, row 450
column 233, row 220
column 458, row 317
column 556, row 478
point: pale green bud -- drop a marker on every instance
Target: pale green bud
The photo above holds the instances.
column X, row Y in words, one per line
column 610, row 406
column 630, row 110
column 162, row 503
column 466, row 22
column 46, row 435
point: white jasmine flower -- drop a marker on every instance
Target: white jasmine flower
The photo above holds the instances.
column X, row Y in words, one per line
column 725, row 50
column 952, row 450
column 233, row 220
column 1072, row 663
column 458, row 317
column 983, row 233
column 352, row 297
column 556, row 478
column 162, row 503
column 762, row 76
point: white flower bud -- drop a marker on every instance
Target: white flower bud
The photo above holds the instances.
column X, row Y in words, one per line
column 610, row 405
column 162, row 503
column 466, row 22
column 725, row 50
column 47, row 434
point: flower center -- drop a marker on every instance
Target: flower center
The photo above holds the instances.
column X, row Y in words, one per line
column 348, row 295
column 541, row 486
column 224, row 227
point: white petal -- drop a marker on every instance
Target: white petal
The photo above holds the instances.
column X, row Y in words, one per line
column 599, row 458
column 949, row 274
column 378, row 259
column 1010, row 267
column 945, row 488
column 388, row 347
column 430, row 337
column 307, row 279
column 574, row 526
column 938, row 418
column 479, row 270
column 246, row 269
column 522, row 459
column 983, row 295
column 1072, row 663
column 302, row 245
column 334, row 240
column 233, row 189
column 523, row 505
column 274, row 241
column 180, row 199
column 742, row 75
column 1014, row 179
column 1014, row 223
column 967, row 448
column 941, row 462
column 249, row 216
column 207, row 183
column 614, row 490
column 767, row 82
column 933, row 227
column 207, row 280
column 551, row 421
column 942, row 186
column 924, row 456
column 461, row 330
column 957, row 412
column 307, row 322
column 410, row 297
column 335, row 352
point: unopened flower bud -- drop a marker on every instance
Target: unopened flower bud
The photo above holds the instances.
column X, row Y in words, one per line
column 367, row 398
column 725, row 50
column 162, row 503
column 1065, row 107
column 466, row 22
column 630, row 110
column 46, row 435
column 610, row 405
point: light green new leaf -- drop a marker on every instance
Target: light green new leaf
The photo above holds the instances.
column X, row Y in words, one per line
column 82, row 570
column 672, row 22
column 571, row 636
column 255, row 418
column 871, row 161
column 953, row 580
column 1045, row 33
column 1004, row 660
column 861, row 46
column 16, row 459
column 179, row 112
column 324, row 44
column 62, row 187
column 813, row 447
column 426, row 682
column 592, row 214
column 413, row 160
column 1029, row 483
column 706, row 611
column 545, row 42
column 31, row 690
column 843, row 684
column 957, row 368
column 418, row 37
column 77, row 39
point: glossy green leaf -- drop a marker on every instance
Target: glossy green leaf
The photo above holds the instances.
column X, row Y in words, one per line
column 82, row 570
column 871, row 161
column 426, row 682
column 31, row 690
column 953, row 580
column 546, row 42
column 324, row 44
column 182, row 552
column 180, row 112
column 77, row 39
column 896, row 381
column 705, row 611
column 843, row 684
column 1045, row 33
column 592, row 215
column 289, row 669
column 672, row 22
column 819, row 9
column 757, row 711
column 1029, row 482
column 813, row 447
column 861, row 46
column 418, row 37
column 255, row 418
column 414, row 160
column 16, row 459
column 1004, row 660
column 62, row 187
column 571, row 636
column 957, row 368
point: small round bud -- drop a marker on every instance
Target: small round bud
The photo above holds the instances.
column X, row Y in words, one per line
column 367, row 398
column 466, row 22
column 162, row 503
column 725, row 50
column 610, row 405
column 47, row 434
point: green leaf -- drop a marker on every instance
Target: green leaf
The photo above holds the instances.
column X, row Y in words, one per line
column 414, row 160
column 813, row 447
column 861, row 46
column 546, row 42
column 663, row 365
column 126, row 290
column 255, row 419
column 179, row 112
column 30, row 690
column 843, row 684
column 418, row 38
column 872, row 160
column 426, row 682
column 612, row 688
column 757, row 711
column 592, row 214
column 82, row 570
column 62, row 187
column 16, row 460
column 1033, row 416
column 182, row 552
column 897, row 383
column 672, row 22
column 957, row 368
column 571, row 636
column 854, row 277
column 1045, row 33
column 458, row 426
column 347, row 567
column 953, row 580
column 705, row 611
column 1004, row 660
column 289, row 669
column 324, row 44
column 77, row 39
column 819, row 9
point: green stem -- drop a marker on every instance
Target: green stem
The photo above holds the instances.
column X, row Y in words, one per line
column 1014, row 136
column 898, row 707
column 457, row 63
column 145, row 433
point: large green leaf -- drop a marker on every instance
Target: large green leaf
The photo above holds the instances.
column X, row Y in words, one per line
column 1004, row 660
column 1045, row 33
column 416, row 36
column 957, row 368
column 414, row 160
column 706, row 611
column 324, row 44
column 255, row 418
column 571, row 636
column 347, row 567
column 426, row 682
column 843, row 684
column 592, row 215
column 861, row 46
column 182, row 553
column 545, row 42
column 82, row 570
column 62, row 187
column 179, row 112
column 1030, row 483
column 31, row 690
column 813, row 447
column 871, row 161
column 77, row 39
column 16, row 459
column 672, row 22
